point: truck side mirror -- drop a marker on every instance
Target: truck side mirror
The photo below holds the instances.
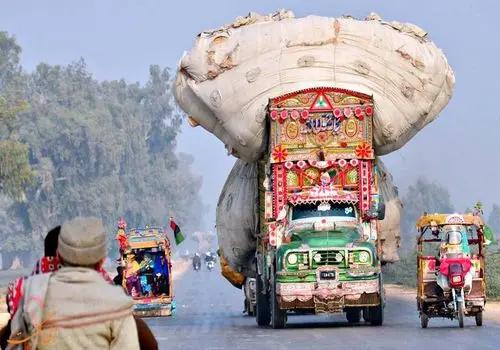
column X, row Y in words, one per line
column 381, row 211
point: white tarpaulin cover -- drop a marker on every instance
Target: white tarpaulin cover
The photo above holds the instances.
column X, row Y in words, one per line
column 389, row 227
column 237, row 216
column 225, row 81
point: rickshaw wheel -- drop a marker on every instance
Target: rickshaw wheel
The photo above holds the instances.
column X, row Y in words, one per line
column 479, row 319
column 424, row 320
column 461, row 314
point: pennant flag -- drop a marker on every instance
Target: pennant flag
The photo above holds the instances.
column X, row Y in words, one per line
column 489, row 237
column 179, row 238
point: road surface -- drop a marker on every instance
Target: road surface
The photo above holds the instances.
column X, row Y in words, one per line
column 209, row 317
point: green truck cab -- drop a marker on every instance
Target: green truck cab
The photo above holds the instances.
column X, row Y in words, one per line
column 318, row 248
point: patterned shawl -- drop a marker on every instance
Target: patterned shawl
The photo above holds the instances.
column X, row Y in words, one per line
column 44, row 265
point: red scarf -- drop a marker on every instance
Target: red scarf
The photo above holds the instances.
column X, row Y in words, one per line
column 44, row 265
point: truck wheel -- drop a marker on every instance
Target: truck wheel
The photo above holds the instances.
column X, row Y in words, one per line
column 263, row 312
column 479, row 319
column 377, row 315
column 377, row 312
column 278, row 316
column 353, row 315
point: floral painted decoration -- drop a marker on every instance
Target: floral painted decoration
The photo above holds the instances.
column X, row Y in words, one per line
column 280, row 154
column 364, row 151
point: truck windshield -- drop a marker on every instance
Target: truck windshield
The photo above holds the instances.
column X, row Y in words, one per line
column 311, row 210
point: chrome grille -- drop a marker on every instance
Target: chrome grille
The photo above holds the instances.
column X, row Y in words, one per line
column 328, row 257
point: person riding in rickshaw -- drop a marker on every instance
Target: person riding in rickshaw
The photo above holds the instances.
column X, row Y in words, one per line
column 455, row 244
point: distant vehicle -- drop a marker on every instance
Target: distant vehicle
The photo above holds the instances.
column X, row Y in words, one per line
column 147, row 271
column 196, row 262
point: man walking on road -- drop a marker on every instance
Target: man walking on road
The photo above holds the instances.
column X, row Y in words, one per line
column 74, row 307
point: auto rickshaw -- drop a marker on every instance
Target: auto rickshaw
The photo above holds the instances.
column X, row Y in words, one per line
column 450, row 267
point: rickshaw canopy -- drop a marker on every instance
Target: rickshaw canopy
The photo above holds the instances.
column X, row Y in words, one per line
column 468, row 219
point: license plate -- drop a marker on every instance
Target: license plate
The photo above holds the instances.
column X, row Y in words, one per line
column 327, row 275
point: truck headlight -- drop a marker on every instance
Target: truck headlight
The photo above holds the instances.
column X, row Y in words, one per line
column 317, row 257
column 292, row 259
column 364, row 257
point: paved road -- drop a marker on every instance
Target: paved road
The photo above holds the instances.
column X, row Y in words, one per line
column 209, row 317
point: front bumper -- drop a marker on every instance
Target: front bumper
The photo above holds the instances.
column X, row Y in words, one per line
column 336, row 294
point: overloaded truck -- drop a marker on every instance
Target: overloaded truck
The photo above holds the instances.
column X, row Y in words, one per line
column 308, row 105
column 318, row 243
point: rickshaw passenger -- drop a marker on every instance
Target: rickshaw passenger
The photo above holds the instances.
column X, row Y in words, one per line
column 131, row 275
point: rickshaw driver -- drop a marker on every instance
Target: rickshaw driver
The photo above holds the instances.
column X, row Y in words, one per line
column 455, row 242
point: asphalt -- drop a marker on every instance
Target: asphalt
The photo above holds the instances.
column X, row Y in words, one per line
column 209, row 316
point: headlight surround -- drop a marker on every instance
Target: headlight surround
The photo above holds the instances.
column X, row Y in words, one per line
column 292, row 258
column 364, row 257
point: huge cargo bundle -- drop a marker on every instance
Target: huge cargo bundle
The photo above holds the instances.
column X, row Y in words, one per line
column 225, row 81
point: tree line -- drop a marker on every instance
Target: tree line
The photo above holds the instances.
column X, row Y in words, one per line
column 72, row 145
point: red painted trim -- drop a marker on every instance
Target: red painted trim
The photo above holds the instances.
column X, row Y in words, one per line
column 320, row 90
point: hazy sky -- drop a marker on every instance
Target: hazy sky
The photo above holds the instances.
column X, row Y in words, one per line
column 120, row 39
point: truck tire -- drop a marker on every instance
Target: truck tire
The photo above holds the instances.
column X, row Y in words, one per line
column 377, row 315
column 377, row 312
column 353, row 315
column 262, row 309
column 278, row 316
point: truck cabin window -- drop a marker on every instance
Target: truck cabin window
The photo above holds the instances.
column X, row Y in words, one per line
column 307, row 211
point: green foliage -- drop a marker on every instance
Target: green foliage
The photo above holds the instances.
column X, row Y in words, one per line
column 15, row 171
column 494, row 219
column 493, row 275
column 403, row 272
column 105, row 149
